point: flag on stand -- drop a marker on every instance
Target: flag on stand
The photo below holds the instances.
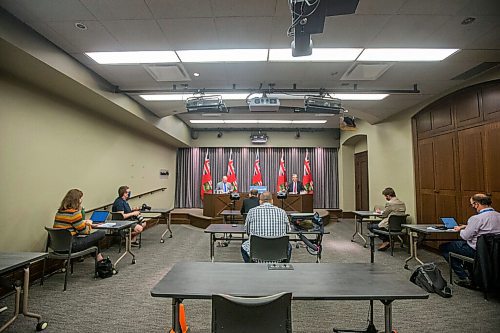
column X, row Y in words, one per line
column 257, row 176
column 282, row 174
column 206, row 178
column 231, row 175
column 307, row 179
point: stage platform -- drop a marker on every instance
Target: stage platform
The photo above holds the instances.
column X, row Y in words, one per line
column 195, row 217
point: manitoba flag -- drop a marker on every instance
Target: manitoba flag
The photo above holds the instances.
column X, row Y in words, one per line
column 307, row 179
column 231, row 175
column 206, row 178
column 282, row 174
column 257, row 176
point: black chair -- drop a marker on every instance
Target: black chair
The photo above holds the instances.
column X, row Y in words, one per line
column 486, row 264
column 60, row 242
column 269, row 314
column 394, row 230
column 263, row 249
column 123, row 234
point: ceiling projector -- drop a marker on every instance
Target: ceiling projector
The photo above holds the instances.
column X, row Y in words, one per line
column 205, row 104
column 264, row 104
column 317, row 104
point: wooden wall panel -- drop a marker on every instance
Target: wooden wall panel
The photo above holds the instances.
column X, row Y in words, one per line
column 467, row 110
column 491, row 102
column 470, row 156
column 492, row 162
column 441, row 116
column 427, row 209
column 423, row 121
column 444, row 162
column 426, row 165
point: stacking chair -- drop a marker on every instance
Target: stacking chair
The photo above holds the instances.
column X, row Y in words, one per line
column 268, row 314
column 264, row 249
column 59, row 244
column 486, row 264
column 119, row 217
column 395, row 230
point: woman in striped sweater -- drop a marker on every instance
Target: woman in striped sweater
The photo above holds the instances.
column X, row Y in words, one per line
column 70, row 216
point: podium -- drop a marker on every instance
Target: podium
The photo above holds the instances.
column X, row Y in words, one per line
column 214, row 204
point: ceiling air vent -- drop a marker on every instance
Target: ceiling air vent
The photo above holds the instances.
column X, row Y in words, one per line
column 365, row 71
column 172, row 73
column 476, row 70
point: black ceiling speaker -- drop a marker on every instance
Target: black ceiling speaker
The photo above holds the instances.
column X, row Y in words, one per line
column 308, row 17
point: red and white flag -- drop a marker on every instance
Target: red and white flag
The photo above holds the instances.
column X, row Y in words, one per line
column 307, row 179
column 282, row 174
column 257, row 176
column 231, row 175
column 206, row 178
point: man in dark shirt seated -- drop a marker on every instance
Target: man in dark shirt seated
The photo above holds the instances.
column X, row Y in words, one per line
column 121, row 206
column 251, row 202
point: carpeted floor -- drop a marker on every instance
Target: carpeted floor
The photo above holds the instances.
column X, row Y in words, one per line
column 123, row 303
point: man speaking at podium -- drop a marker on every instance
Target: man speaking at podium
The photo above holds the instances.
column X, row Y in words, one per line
column 295, row 186
column 224, row 186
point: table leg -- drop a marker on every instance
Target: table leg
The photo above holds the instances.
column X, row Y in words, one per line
column 388, row 316
column 212, row 242
column 361, row 233
column 167, row 218
column 413, row 250
column 128, row 246
column 355, row 229
column 16, row 309
column 176, row 302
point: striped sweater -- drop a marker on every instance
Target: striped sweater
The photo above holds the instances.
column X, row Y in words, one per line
column 72, row 220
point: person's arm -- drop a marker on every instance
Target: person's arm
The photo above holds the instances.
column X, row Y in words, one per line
column 129, row 215
column 81, row 226
column 467, row 232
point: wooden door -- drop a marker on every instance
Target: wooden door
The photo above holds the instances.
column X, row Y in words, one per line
column 426, row 181
column 361, row 180
column 492, row 162
column 446, row 175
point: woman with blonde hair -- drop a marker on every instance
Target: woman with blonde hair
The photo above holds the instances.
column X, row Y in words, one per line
column 70, row 216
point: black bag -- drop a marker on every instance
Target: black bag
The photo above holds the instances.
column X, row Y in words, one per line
column 105, row 268
column 429, row 278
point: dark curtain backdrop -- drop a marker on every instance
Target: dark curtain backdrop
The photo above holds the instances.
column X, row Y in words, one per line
column 324, row 168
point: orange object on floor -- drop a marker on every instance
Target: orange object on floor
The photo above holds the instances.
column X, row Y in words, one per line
column 182, row 320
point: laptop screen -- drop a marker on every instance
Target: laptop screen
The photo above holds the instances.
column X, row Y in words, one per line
column 449, row 222
column 99, row 216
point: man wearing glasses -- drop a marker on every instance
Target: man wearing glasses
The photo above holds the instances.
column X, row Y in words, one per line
column 121, row 206
column 486, row 221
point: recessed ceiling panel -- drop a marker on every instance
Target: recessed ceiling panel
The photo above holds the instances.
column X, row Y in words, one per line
column 138, row 35
column 190, row 33
column 178, row 9
column 118, row 9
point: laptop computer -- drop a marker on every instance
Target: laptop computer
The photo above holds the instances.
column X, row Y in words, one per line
column 99, row 216
column 449, row 222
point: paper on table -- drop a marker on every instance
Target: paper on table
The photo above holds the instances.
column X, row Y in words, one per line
column 438, row 229
column 107, row 225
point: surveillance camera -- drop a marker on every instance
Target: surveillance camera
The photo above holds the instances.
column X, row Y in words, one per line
column 219, row 135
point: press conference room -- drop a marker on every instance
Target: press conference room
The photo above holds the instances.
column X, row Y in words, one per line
column 341, row 137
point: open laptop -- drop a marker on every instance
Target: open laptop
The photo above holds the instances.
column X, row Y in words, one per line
column 449, row 222
column 99, row 216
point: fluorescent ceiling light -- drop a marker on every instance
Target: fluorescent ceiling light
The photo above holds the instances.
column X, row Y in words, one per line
column 183, row 97
column 133, row 57
column 227, row 55
column 318, row 54
column 218, row 121
column 360, row 97
column 247, row 121
column 405, row 54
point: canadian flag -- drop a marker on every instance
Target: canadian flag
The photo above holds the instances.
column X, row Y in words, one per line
column 231, row 175
column 257, row 176
column 307, row 180
column 282, row 174
column 206, row 178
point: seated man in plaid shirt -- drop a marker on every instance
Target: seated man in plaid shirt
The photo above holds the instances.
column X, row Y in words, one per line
column 265, row 220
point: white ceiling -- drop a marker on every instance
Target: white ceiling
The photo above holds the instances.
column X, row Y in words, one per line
column 126, row 25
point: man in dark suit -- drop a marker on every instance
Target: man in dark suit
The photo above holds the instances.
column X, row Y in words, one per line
column 295, row 186
column 251, row 202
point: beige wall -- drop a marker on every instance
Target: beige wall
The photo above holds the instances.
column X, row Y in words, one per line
column 49, row 145
column 390, row 161
column 324, row 139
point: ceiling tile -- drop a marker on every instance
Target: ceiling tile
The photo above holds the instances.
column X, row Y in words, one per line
column 57, row 10
column 481, row 7
column 257, row 8
column 138, row 35
column 454, row 34
column 432, row 7
column 118, row 9
column 244, row 32
column 180, row 9
column 95, row 38
column 379, row 7
column 190, row 33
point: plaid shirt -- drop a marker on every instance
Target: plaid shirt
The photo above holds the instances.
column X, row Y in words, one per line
column 265, row 220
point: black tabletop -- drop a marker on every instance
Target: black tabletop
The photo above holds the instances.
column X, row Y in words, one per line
column 428, row 228
column 118, row 225
column 158, row 210
column 200, row 280
column 12, row 260
column 240, row 228
column 366, row 213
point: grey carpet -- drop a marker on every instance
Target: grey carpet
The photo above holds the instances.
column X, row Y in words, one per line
column 123, row 303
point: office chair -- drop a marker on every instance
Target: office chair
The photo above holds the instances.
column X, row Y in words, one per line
column 264, row 249
column 268, row 314
column 486, row 264
column 118, row 216
column 394, row 230
column 59, row 242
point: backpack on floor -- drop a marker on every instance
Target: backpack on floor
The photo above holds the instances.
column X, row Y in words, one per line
column 429, row 278
column 105, row 268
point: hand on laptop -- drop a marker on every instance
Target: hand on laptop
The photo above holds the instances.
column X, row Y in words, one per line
column 459, row 227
